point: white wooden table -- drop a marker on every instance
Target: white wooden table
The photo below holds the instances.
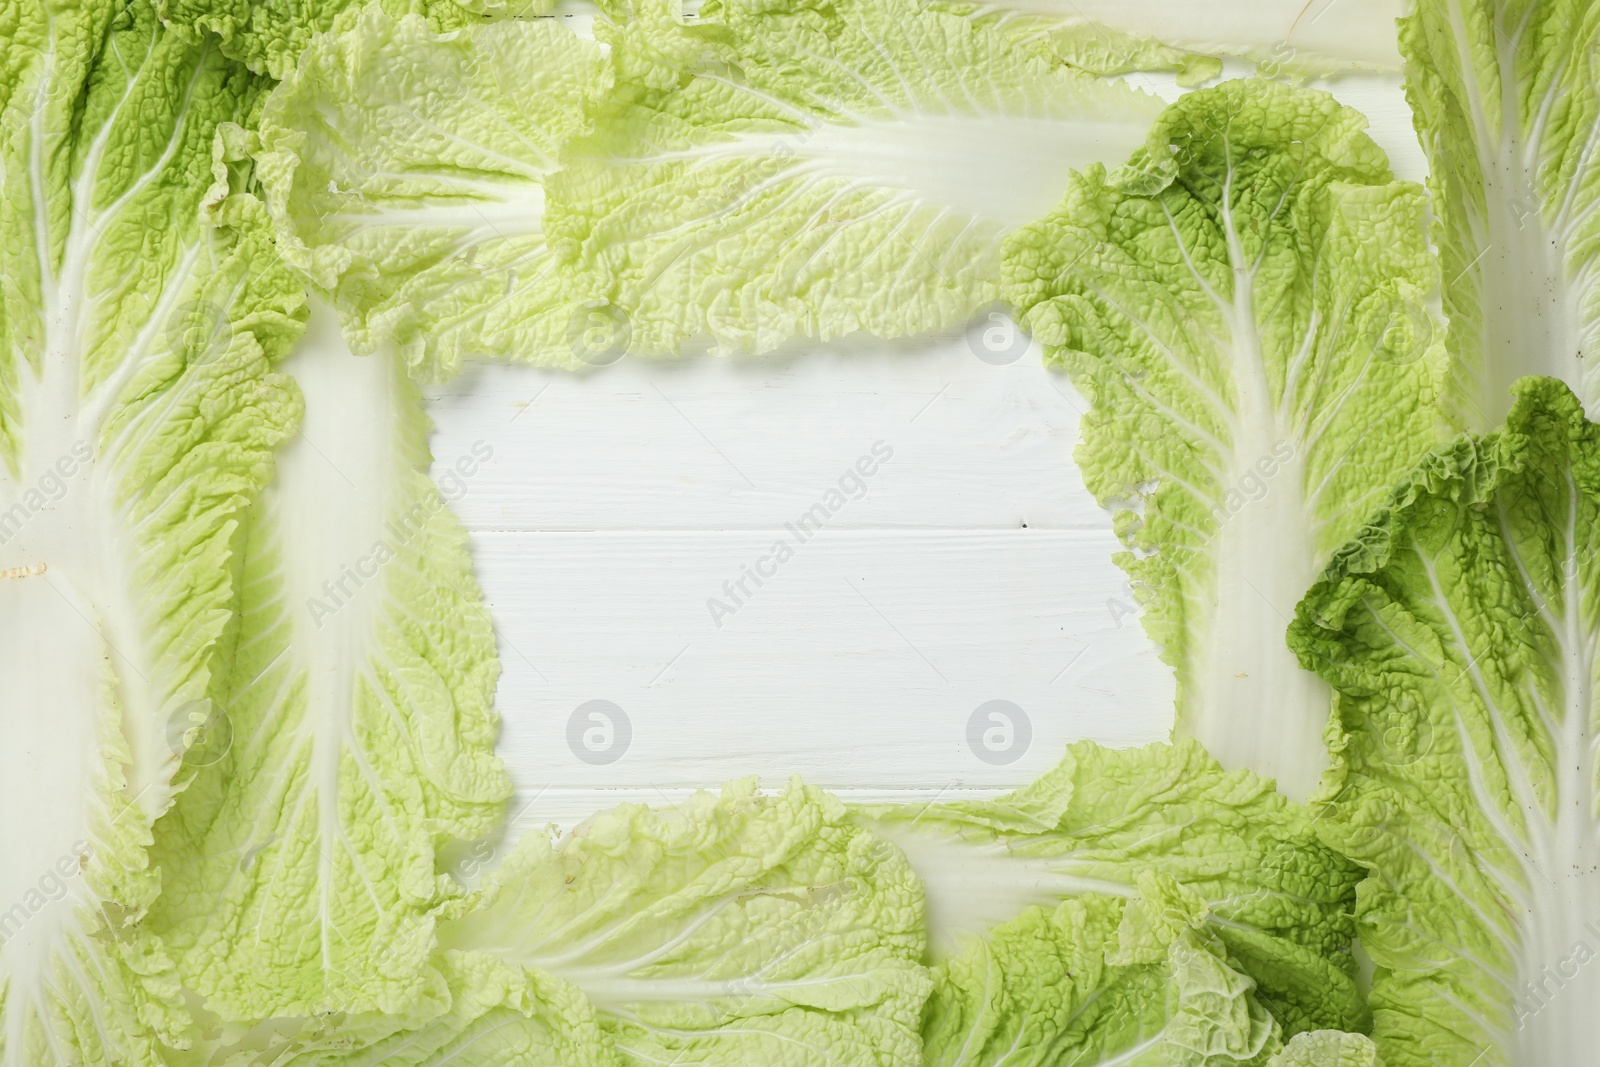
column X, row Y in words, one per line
column 974, row 567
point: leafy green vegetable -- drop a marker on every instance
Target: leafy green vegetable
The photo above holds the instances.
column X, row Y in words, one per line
column 1328, row 1048
column 1506, row 103
column 820, row 169
column 356, row 731
column 480, row 1011
column 270, row 35
column 1286, row 36
column 741, row 929
column 1244, row 306
column 1459, row 630
column 138, row 412
column 407, row 170
column 737, row 930
column 1112, row 823
column 1098, row 980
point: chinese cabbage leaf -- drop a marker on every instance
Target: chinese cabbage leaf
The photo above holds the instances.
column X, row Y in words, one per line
column 1103, row 824
column 1097, row 980
column 407, row 170
column 1328, row 1048
column 140, row 317
column 356, row 728
column 480, row 1011
column 1245, row 304
column 1460, row 632
column 269, row 36
column 1506, row 101
column 1318, row 38
column 740, row 929
column 821, row 169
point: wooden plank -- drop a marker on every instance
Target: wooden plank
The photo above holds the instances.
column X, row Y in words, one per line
column 857, row 664
column 749, row 444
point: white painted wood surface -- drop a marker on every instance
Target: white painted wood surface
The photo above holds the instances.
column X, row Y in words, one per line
column 973, row 567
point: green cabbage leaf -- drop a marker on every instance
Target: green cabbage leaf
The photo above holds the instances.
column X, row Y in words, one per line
column 1246, row 307
column 1098, row 980
column 815, row 170
column 1113, row 840
column 1328, row 1048
column 478, row 1011
column 141, row 314
column 355, row 728
column 269, row 36
column 1459, row 630
column 1506, row 102
column 736, row 929
column 407, row 172
column 1286, row 37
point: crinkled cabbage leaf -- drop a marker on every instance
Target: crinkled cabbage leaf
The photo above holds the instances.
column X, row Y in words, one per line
column 737, row 929
column 1246, row 306
column 815, row 170
column 355, row 730
column 1459, row 630
column 1278, row 903
column 140, row 318
column 407, row 172
column 1506, row 102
